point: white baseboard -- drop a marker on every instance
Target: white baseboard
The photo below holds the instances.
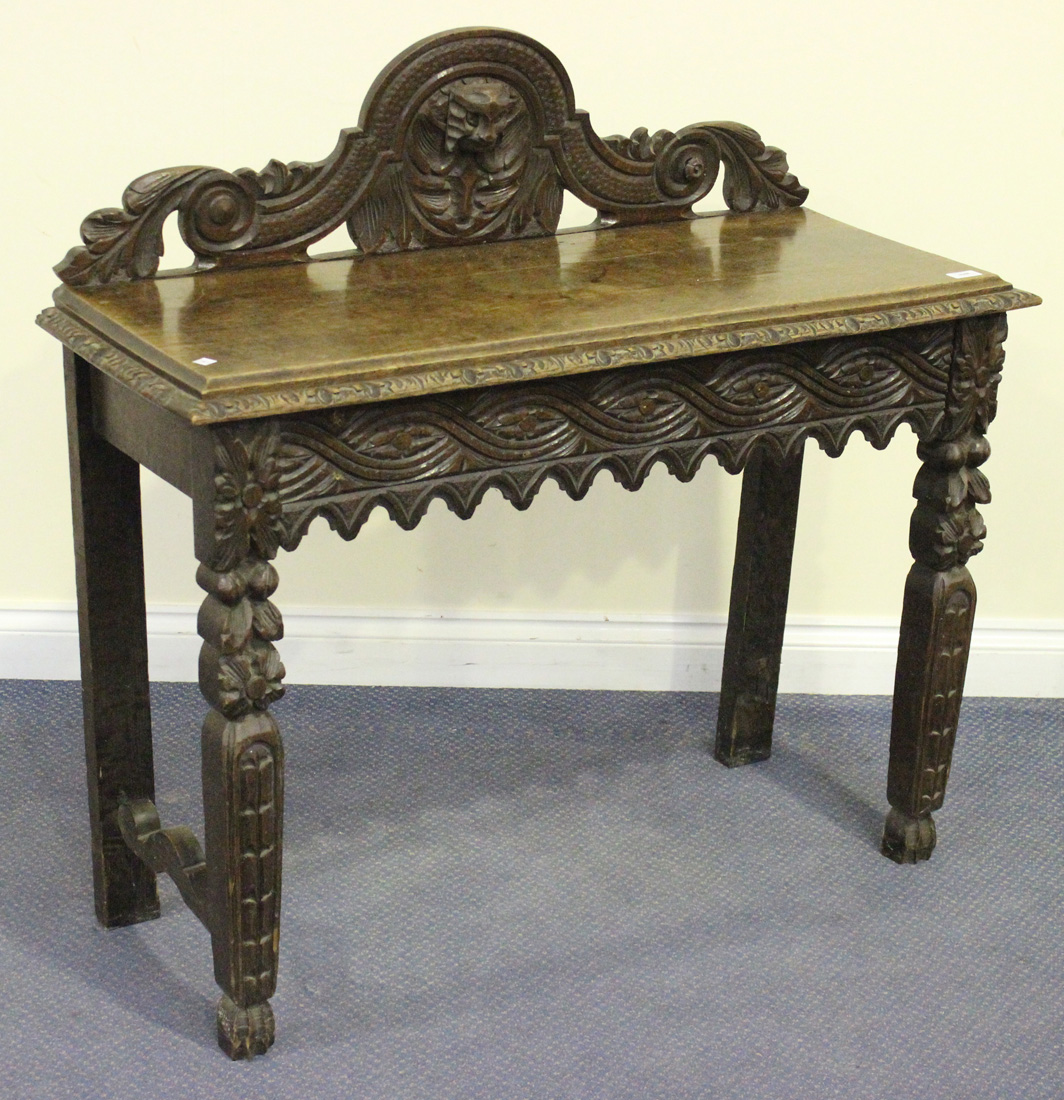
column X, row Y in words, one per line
column 483, row 649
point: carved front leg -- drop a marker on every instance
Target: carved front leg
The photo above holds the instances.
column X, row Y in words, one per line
column 243, row 759
column 939, row 604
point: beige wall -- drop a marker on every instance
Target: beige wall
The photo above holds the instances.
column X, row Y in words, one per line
column 939, row 123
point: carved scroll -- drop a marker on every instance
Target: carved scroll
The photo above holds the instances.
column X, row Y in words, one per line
column 468, row 136
column 175, row 852
column 939, row 605
column 402, row 454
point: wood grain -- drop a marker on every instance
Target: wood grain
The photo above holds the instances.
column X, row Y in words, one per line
column 349, row 331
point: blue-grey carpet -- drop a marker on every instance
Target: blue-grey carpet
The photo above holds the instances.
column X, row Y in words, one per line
column 559, row 895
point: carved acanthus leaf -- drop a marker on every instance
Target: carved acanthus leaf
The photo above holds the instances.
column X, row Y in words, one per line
column 756, row 175
column 442, row 160
column 278, row 178
column 122, row 244
column 642, row 145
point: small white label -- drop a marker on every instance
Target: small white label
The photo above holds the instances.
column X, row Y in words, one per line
column 205, row 362
column 962, row 274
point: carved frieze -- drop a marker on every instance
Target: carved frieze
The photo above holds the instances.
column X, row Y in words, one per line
column 468, row 136
column 239, row 406
column 401, row 455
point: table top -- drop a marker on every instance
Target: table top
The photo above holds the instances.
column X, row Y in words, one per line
column 241, row 342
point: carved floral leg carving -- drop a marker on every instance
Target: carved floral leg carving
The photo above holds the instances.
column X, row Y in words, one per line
column 939, row 603
column 240, row 675
column 760, row 582
column 233, row 882
column 243, row 791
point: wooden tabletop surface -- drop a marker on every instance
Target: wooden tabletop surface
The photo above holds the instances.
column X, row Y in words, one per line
column 225, row 344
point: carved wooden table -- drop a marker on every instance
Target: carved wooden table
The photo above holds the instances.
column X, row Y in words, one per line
column 272, row 390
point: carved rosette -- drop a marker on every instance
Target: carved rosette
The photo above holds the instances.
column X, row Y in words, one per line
column 468, row 136
column 247, row 505
column 979, row 355
column 240, row 670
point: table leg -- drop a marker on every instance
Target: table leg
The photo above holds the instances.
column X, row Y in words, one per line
column 105, row 490
column 243, row 792
column 240, row 675
column 760, row 582
column 939, row 603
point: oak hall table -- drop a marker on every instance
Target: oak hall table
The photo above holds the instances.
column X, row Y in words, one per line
column 272, row 389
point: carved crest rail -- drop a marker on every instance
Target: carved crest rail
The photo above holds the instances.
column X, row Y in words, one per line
column 467, row 136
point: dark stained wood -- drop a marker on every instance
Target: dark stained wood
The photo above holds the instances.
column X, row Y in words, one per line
column 761, row 578
column 372, row 328
column 455, row 446
column 466, row 137
column 243, row 757
column 243, row 790
column 158, row 439
column 175, row 852
column 936, row 629
column 273, row 392
column 105, row 492
column 939, row 606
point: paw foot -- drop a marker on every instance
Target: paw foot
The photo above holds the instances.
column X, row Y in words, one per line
column 244, row 1032
column 908, row 839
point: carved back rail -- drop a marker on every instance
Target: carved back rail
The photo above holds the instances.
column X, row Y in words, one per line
column 468, row 136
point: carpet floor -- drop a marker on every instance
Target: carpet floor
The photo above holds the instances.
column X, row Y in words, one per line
column 558, row 895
